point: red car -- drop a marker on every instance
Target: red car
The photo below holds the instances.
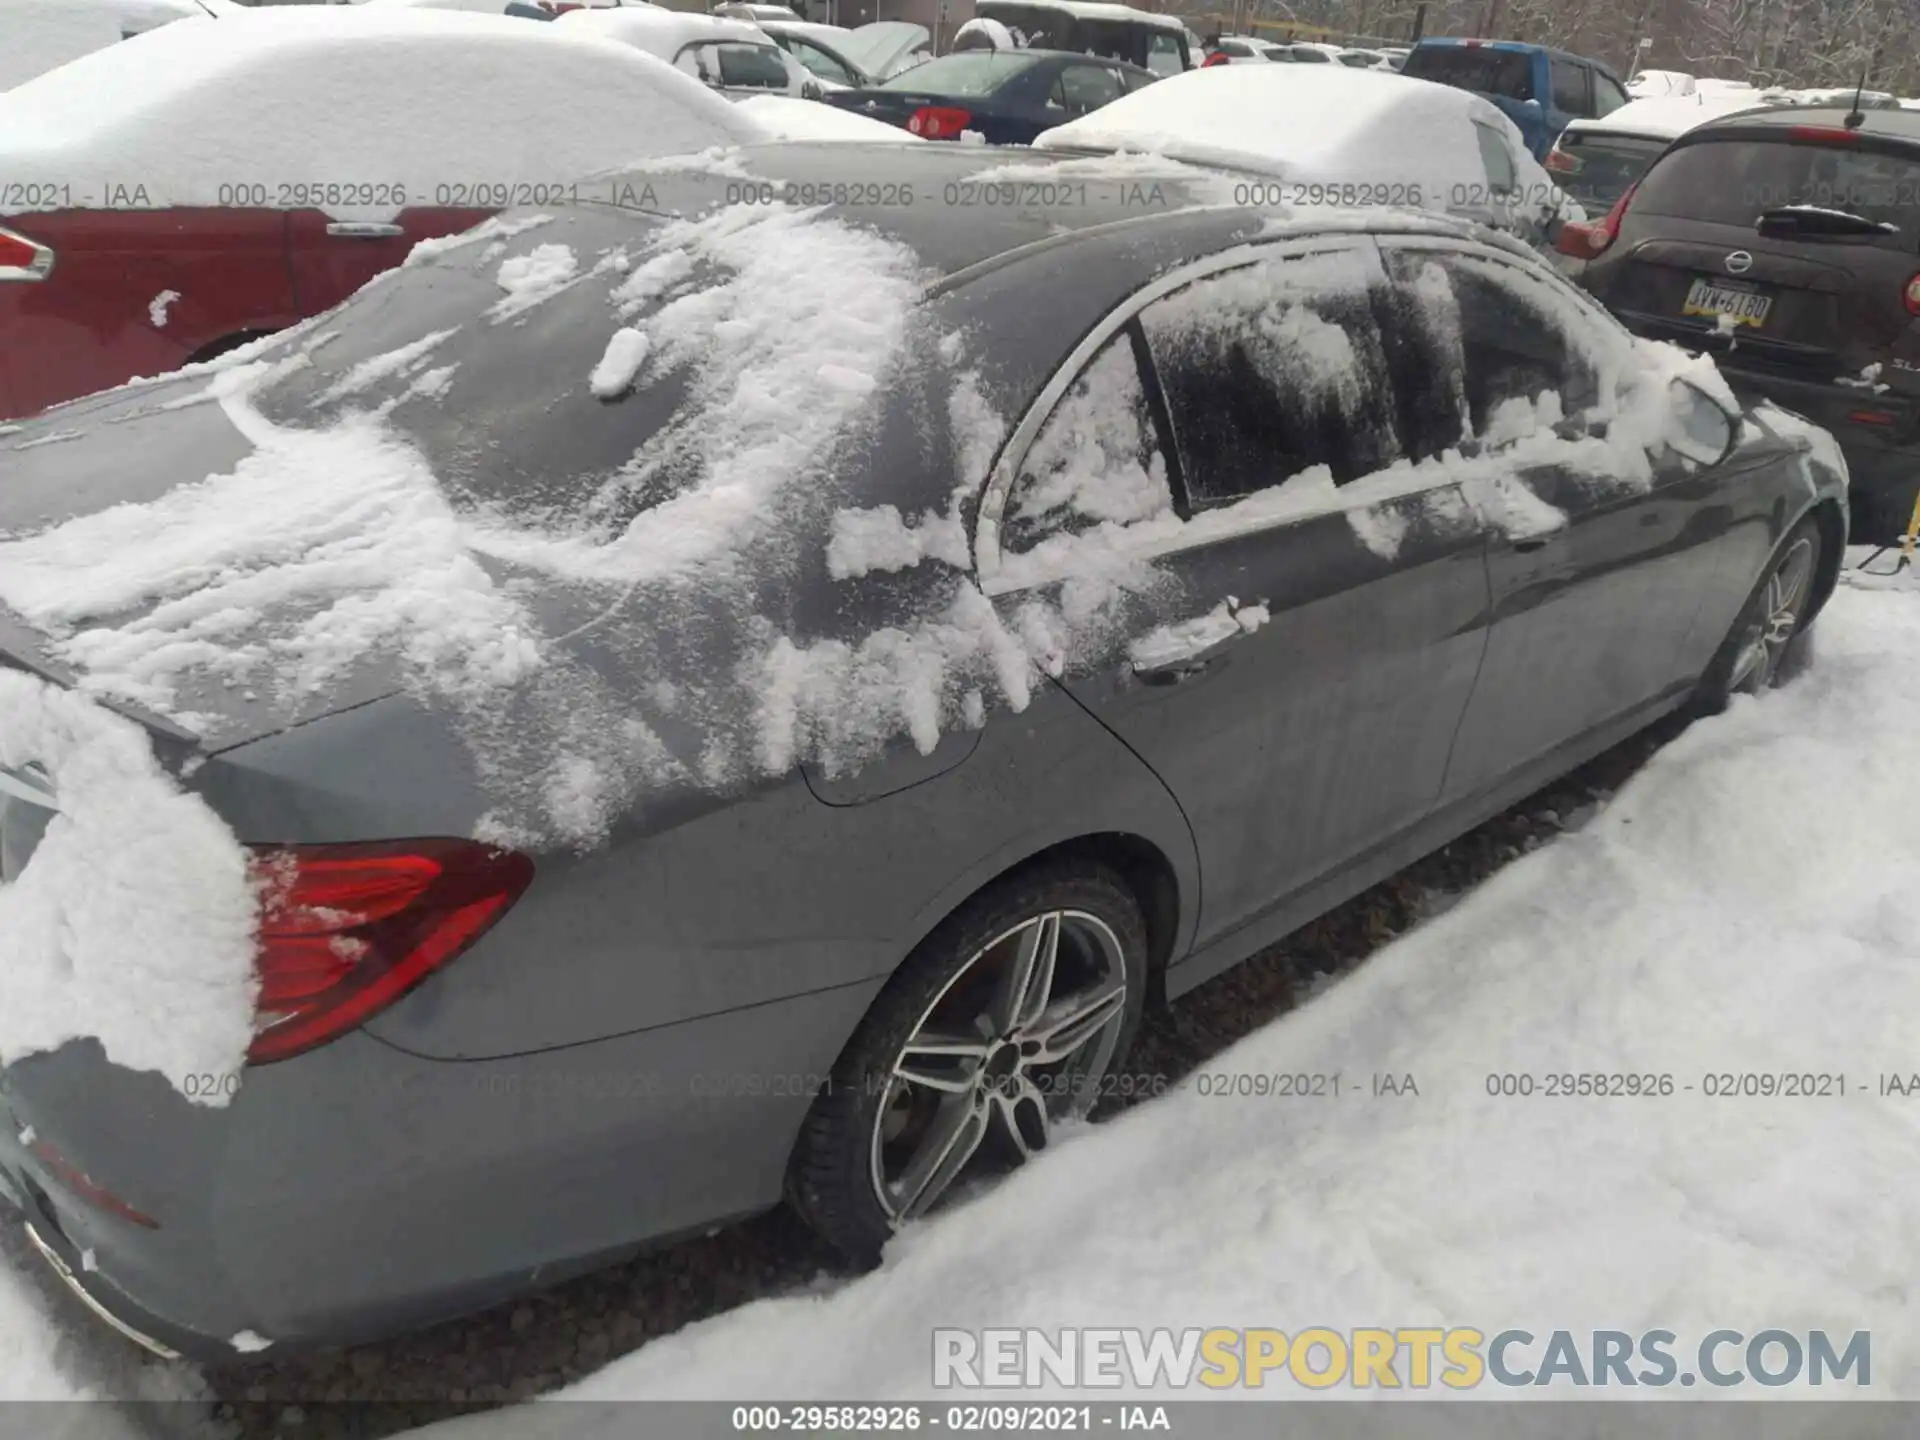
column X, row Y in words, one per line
column 183, row 192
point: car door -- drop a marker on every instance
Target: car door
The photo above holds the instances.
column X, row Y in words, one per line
column 1598, row 577
column 1305, row 652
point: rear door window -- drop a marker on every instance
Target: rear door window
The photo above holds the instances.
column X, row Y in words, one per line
column 1166, row 55
column 1506, row 73
column 1730, row 182
column 1607, row 95
column 1570, row 87
column 1497, row 159
column 1097, row 460
column 1273, row 370
column 1081, row 88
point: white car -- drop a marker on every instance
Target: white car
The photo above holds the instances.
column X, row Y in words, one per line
column 1596, row 160
column 1335, row 137
column 1239, row 48
column 1365, row 60
column 735, row 57
column 38, row 35
column 822, row 50
column 1313, row 52
column 1654, row 84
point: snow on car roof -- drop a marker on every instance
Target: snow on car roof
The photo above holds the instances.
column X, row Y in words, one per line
column 1665, row 117
column 787, row 117
column 1094, row 10
column 661, row 32
column 371, row 107
column 1299, row 123
column 42, row 34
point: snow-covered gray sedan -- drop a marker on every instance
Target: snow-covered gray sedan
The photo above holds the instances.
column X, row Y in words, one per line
column 740, row 690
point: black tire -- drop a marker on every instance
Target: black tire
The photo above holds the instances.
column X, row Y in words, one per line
column 836, row 1172
column 1757, row 654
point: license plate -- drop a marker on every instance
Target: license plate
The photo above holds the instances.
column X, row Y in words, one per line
column 1742, row 306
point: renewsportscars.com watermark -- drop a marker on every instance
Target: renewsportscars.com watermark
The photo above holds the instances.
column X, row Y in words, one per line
column 1459, row 1358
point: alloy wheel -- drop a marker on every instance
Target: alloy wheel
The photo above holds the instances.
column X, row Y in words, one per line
column 1782, row 603
column 1016, row 1042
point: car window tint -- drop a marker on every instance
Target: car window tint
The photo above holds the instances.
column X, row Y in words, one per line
column 971, row 73
column 1081, row 88
column 820, row 63
column 1506, row 73
column 1096, row 460
column 1607, row 96
column 1607, row 165
column 1272, row 370
column 1729, row 182
column 1496, row 158
column 1570, row 87
column 1489, row 345
column 1164, row 55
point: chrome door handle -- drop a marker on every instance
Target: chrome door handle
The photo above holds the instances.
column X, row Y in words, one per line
column 365, row 230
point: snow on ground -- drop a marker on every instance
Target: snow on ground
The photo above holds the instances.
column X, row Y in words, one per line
column 1741, row 906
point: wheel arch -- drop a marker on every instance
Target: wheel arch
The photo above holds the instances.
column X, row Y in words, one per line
column 1827, row 513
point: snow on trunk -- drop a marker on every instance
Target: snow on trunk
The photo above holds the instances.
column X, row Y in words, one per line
column 132, row 920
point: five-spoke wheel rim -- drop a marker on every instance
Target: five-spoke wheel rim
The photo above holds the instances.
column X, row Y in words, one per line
column 1015, row 1042
column 1781, row 606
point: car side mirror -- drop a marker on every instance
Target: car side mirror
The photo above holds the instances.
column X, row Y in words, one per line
column 1702, row 428
column 810, row 90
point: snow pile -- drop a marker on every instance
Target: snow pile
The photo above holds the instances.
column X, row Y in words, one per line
column 786, row 117
column 377, row 113
column 42, row 35
column 317, row 547
column 1741, row 906
column 626, row 352
column 133, row 918
column 528, row 279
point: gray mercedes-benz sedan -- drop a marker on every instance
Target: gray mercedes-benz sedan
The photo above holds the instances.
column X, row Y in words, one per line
column 744, row 688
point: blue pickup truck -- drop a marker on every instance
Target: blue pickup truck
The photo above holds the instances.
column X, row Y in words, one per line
column 1540, row 89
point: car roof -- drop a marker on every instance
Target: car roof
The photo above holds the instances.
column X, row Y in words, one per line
column 1314, row 122
column 1523, row 47
column 1092, row 10
column 157, row 109
column 976, row 204
column 1660, row 117
column 1891, row 123
column 662, row 32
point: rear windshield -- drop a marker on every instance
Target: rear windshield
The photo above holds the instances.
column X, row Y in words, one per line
column 1730, row 182
column 1506, row 73
column 1608, row 165
column 966, row 72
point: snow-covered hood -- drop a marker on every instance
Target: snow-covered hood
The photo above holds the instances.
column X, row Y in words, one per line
column 881, row 47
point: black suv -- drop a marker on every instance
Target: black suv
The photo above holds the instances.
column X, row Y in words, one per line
column 1787, row 242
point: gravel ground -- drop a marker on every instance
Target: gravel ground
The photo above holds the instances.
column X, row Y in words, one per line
column 516, row 1351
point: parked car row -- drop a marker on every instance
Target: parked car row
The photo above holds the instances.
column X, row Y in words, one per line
column 875, row 837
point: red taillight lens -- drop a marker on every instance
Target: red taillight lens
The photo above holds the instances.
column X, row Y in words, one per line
column 1574, row 239
column 1822, row 135
column 1561, row 163
column 939, row 122
column 346, row 930
column 1600, row 236
column 1871, row 417
column 1912, row 296
column 561, row 7
column 23, row 259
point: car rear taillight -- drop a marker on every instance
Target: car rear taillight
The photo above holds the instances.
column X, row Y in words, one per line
column 1823, row 135
column 1872, row 417
column 1912, row 296
column 1600, row 236
column 939, row 122
column 1561, row 163
column 346, row 930
column 23, row 259
column 561, row 7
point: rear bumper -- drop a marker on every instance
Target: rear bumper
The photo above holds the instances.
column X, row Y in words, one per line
column 360, row 1191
